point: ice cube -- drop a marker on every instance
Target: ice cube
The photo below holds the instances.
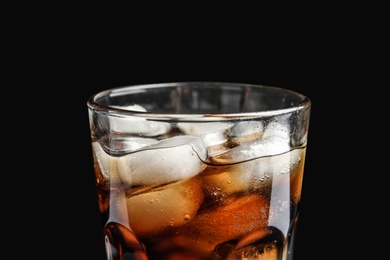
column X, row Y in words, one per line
column 202, row 128
column 213, row 139
column 213, row 133
column 138, row 125
column 271, row 145
column 166, row 161
column 259, row 162
column 168, row 207
column 251, row 175
column 247, row 130
column 279, row 128
column 107, row 163
column 274, row 140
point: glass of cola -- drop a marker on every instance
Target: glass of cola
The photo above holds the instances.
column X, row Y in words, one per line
column 199, row 170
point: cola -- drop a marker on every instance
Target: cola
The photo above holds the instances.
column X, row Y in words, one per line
column 191, row 195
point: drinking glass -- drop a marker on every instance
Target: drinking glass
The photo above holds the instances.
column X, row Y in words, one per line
column 199, row 170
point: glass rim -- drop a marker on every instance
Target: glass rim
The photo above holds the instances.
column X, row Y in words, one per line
column 93, row 103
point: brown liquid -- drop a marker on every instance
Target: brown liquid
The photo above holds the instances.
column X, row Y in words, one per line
column 216, row 214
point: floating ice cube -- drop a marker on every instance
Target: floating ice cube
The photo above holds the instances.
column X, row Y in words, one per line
column 246, row 151
column 212, row 133
column 137, row 125
column 168, row 207
column 280, row 128
column 246, row 128
column 166, row 161
column 108, row 163
column 135, row 143
column 202, row 128
column 213, row 139
column 274, row 140
column 254, row 174
column 265, row 158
